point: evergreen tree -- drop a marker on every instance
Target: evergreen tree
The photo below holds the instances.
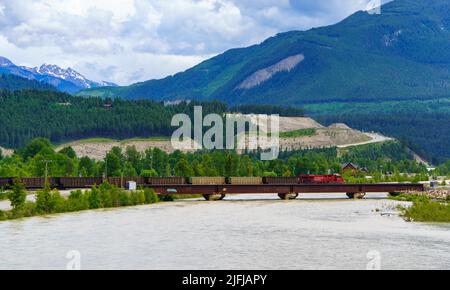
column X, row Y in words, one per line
column 17, row 196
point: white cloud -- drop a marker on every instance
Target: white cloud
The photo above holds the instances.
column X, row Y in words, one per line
column 134, row 40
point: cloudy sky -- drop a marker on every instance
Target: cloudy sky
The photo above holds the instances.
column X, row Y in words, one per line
column 126, row 41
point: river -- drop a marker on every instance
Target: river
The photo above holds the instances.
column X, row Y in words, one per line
column 243, row 232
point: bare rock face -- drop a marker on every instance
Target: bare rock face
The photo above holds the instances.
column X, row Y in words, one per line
column 339, row 126
column 6, row 152
column 265, row 74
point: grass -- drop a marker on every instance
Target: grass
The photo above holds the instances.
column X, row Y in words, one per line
column 424, row 209
column 298, row 133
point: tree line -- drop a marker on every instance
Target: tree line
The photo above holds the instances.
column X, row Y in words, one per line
column 390, row 158
column 61, row 117
column 12, row 83
column 424, row 132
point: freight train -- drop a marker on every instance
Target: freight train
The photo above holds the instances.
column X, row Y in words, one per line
column 87, row 182
column 215, row 188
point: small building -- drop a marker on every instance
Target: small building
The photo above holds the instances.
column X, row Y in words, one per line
column 353, row 168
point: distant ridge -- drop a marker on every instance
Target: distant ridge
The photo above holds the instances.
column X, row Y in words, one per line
column 65, row 80
column 13, row 82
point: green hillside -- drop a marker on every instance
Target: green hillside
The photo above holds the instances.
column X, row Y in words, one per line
column 401, row 54
column 12, row 82
column 61, row 117
column 389, row 69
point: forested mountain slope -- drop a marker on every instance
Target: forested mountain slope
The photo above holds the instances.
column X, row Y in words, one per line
column 387, row 73
column 12, row 83
column 401, row 54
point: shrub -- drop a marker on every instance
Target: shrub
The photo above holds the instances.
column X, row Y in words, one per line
column 428, row 212
column 17, row 195
column 115, row 196
column 150, row 196
column 44, row 201
column 77, row 201
column 411, row 198
column 3, row 216
column 105, row 197
column 3, row 194
column 134, row 198
column 94, row 198
column 109, row 195
column 58, row 202
column 124, row 199
column 48, row 201
column 28, row 209
column 141, row 197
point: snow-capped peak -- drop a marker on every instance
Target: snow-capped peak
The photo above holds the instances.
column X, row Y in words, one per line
column 4, row 62
column 52, row 70
column 68, row 80
column 68, row 74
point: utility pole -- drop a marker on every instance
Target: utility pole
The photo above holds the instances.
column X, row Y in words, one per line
column 46, row 170
column 106, row 166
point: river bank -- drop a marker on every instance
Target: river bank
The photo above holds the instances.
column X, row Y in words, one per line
column 428, row 206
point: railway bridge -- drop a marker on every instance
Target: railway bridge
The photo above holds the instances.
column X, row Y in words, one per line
column 216, row 188
column 284, row 191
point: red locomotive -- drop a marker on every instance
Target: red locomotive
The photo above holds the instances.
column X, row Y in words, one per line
column 321, row 179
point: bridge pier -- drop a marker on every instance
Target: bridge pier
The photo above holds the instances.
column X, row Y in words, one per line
column 356, row 195
column 288, row 196
column 214, row 196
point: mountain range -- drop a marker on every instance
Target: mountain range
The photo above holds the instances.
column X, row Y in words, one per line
column 401, row 54
column 387, row 72
column 65, row 80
